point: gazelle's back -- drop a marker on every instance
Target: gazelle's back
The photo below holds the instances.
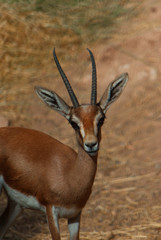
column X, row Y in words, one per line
column 38, row 146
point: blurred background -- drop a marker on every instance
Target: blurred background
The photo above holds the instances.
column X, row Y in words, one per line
column 124, row 36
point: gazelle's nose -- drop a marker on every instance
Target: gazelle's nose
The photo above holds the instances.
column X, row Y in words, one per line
column 91, row 147
column 91, row 144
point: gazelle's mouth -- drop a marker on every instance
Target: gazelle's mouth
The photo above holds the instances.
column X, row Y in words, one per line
column 92, row 153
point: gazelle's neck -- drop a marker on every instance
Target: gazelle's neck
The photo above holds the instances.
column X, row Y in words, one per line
column 82, row 175
column 87, row 164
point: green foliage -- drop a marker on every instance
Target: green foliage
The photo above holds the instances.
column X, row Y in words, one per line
column 17, row 1
column 91, row 20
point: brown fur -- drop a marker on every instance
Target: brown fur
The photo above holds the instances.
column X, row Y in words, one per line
column 42, row 159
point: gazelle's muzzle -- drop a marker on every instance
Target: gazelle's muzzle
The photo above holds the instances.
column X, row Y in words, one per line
column 91, row 147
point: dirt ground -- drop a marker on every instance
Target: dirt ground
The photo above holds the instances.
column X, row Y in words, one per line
column 126, row 199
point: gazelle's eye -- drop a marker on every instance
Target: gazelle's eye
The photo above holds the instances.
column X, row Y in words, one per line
column 75, row 125
column 100, row 122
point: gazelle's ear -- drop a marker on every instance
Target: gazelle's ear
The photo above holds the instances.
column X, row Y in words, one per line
column 113, row 91
column 54, row 101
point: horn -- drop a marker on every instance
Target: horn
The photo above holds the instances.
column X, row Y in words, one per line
column 94, row 80
column 66, row 82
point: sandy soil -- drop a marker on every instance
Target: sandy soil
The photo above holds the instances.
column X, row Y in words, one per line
column 126, row 199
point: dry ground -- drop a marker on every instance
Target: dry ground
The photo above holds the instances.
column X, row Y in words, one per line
column 126, row 199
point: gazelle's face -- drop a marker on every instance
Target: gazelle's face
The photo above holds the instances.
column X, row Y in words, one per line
column 87, row 121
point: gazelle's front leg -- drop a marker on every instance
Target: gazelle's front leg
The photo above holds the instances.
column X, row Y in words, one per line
column 73, row 226
column 53, row 222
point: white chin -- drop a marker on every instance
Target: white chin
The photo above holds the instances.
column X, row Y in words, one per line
column 92, row 153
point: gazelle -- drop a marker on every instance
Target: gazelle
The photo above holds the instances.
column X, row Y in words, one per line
column 39, row 172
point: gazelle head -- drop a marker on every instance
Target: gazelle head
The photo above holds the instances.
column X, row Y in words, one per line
column 86, row 119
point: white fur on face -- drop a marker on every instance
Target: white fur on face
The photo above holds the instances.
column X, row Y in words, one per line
column 82, row 131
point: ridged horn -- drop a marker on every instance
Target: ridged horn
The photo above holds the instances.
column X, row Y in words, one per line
column 66, row 82
column 94, row 80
